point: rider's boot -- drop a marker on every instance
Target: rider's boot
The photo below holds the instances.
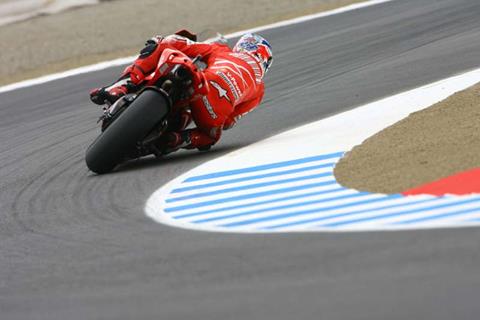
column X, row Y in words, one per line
column 174, row 141
column 188, row 139
column 200, row 140
column 111, row 93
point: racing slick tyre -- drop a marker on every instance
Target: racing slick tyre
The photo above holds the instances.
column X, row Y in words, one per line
column 121, row 137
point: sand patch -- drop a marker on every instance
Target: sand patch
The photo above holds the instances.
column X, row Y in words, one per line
column 427, row 145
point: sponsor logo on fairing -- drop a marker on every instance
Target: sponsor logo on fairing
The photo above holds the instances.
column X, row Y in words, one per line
column 181, row 38
column 209, row 107
column 163, row 68
column 222, row 93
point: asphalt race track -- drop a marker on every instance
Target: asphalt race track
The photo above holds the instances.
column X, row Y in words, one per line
column 74, row 245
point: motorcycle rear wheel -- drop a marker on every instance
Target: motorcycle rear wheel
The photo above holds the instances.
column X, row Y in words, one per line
column 120, row 138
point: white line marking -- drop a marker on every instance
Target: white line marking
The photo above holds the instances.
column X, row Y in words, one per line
column 309, row 17
column 126, row 60
column 66, row 74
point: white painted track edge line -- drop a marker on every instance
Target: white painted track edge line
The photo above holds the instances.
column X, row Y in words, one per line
column 126, row 60
column 309, row 17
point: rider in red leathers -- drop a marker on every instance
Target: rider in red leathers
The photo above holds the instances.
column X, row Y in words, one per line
column 234, row 77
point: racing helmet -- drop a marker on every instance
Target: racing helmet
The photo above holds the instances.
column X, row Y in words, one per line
column 258, row 47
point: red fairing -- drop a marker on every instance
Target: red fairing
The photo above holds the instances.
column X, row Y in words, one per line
column 168, row 59
column 233, row 81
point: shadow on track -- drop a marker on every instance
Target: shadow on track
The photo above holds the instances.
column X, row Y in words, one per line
column 179, row 157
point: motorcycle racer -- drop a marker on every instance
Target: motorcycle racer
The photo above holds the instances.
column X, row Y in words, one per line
column 234, row 78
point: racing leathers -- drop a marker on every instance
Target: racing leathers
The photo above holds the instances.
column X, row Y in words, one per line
column 234, row 79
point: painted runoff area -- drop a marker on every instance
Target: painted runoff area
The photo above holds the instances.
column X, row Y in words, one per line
column 467, row 182
column 286, row 183
column 127, row 60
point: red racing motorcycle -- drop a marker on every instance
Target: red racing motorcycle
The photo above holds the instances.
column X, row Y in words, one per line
column 134, row 125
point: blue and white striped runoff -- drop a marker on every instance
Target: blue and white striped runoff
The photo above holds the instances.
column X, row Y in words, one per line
column 301, row 195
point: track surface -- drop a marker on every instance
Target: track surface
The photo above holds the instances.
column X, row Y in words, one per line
column 77, row 246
